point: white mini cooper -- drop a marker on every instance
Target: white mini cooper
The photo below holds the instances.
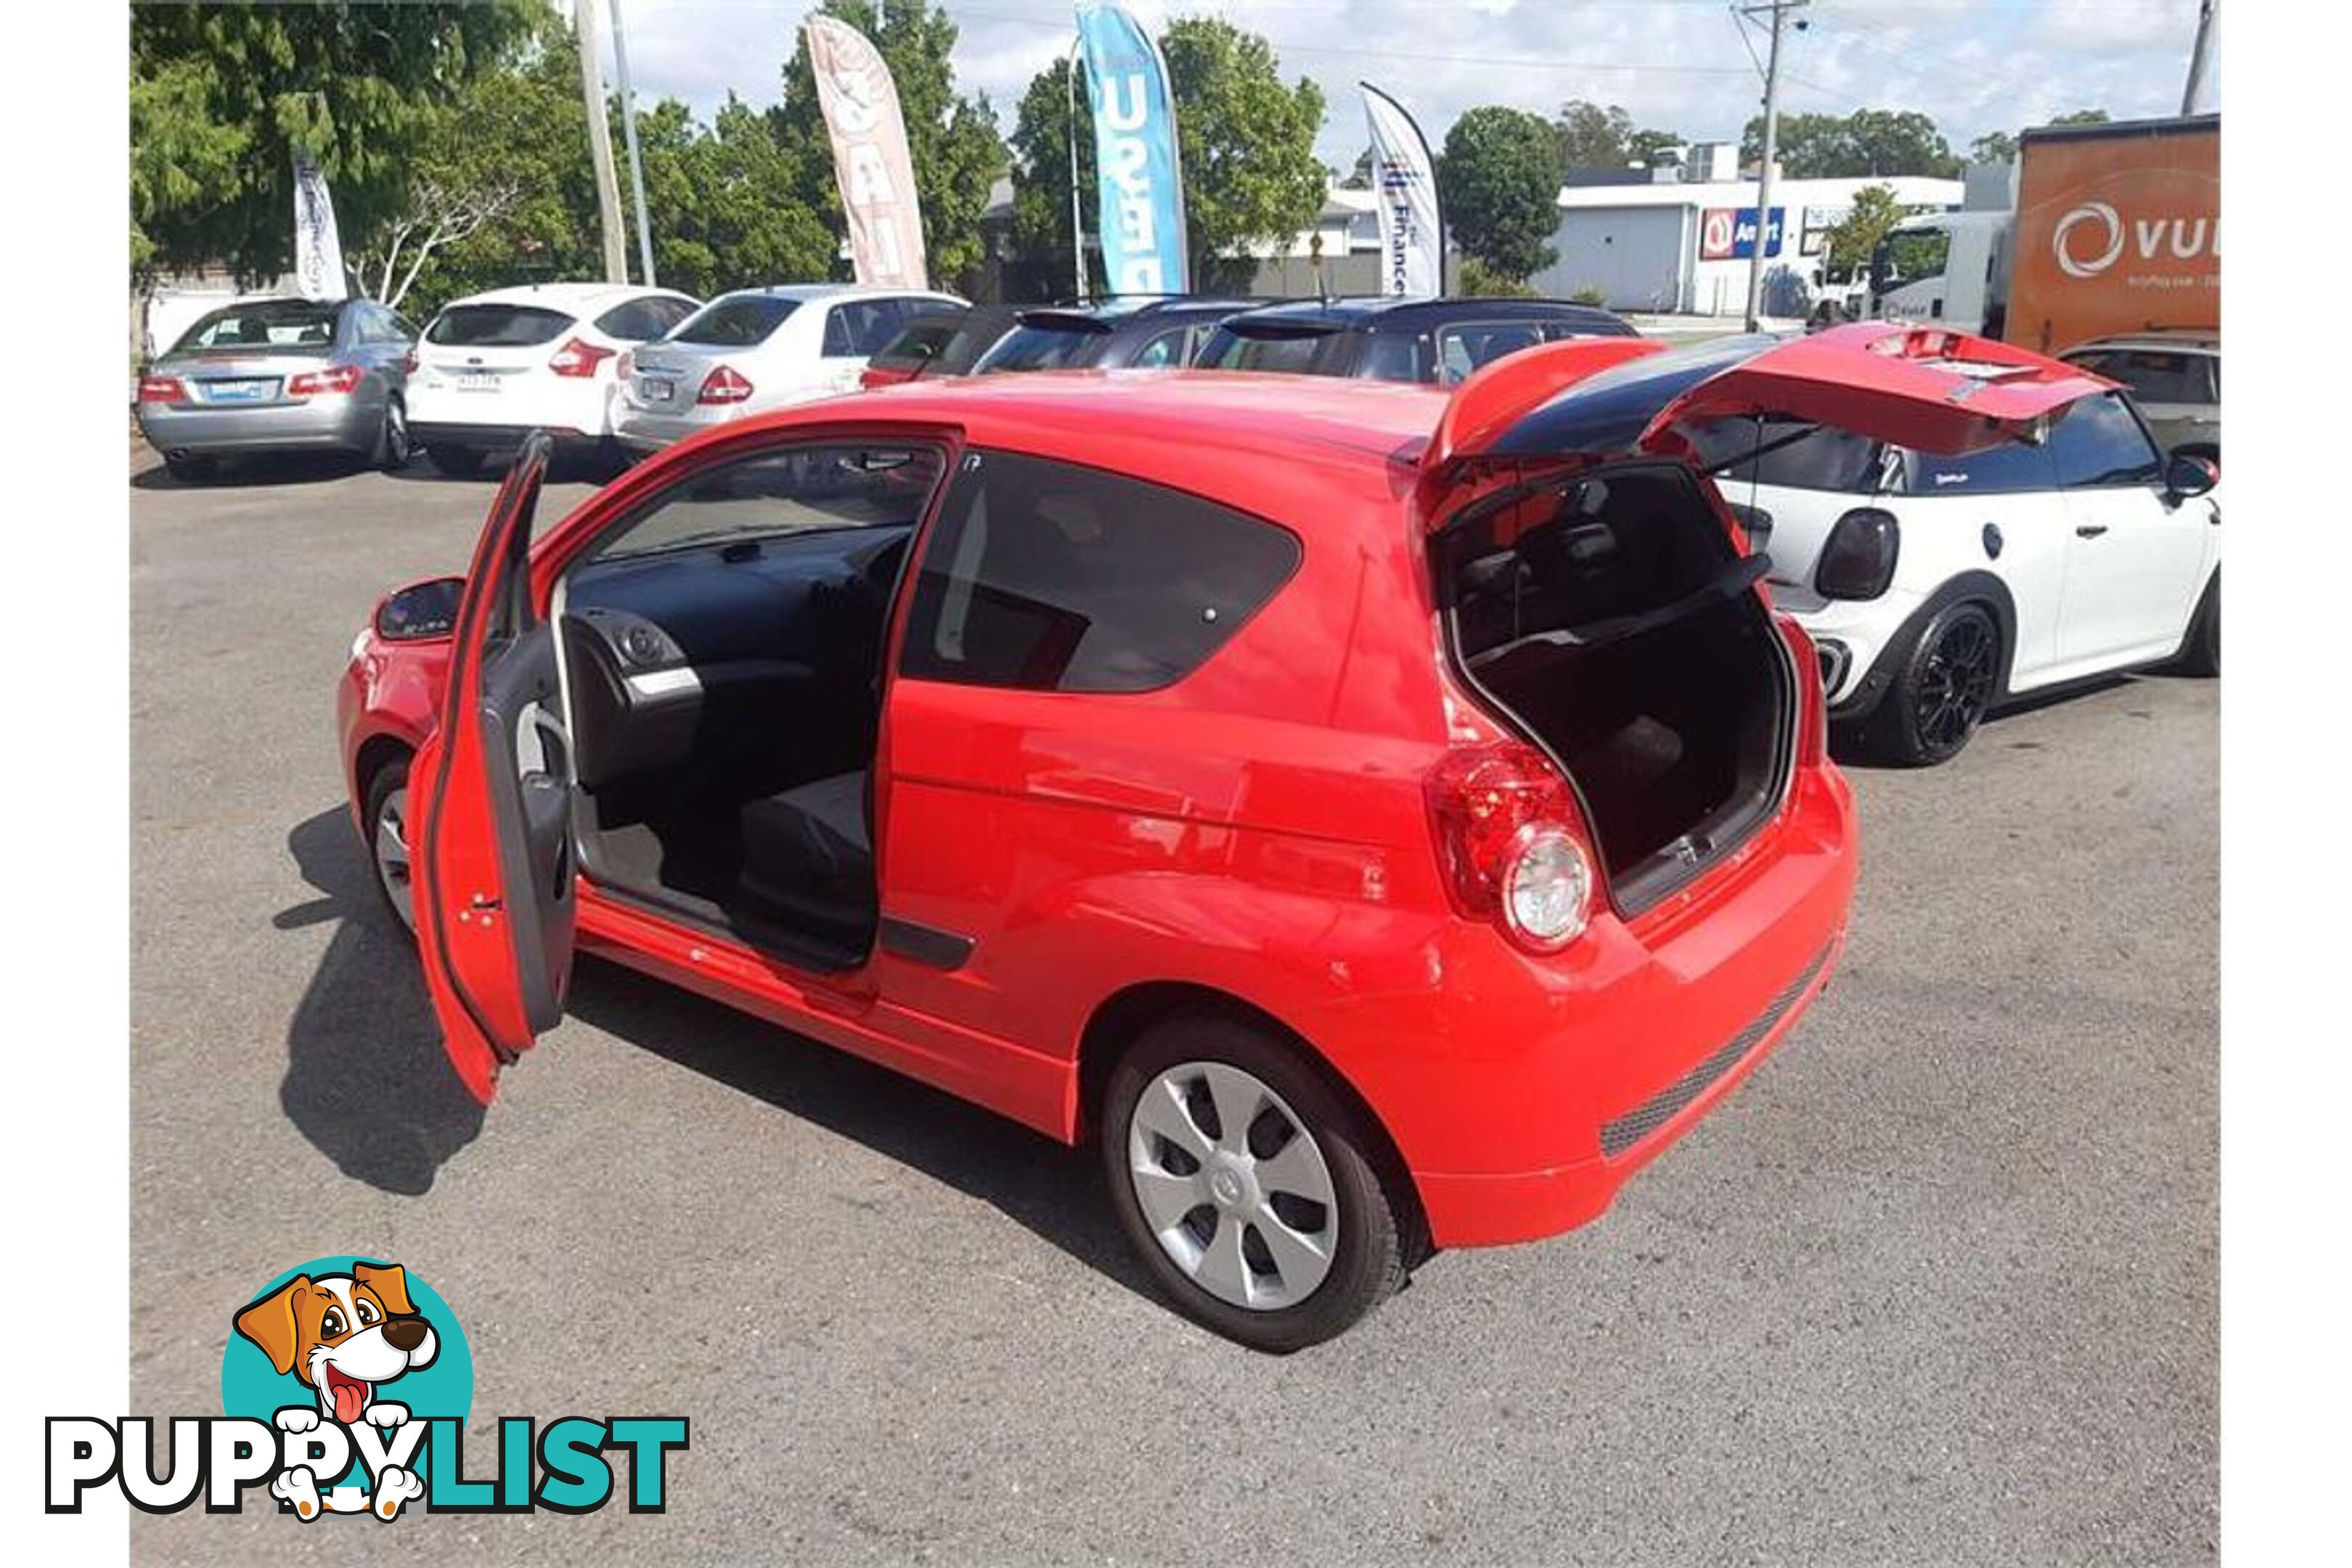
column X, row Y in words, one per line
column 1938, row 588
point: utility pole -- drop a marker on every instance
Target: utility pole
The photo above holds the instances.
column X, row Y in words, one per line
column 2197, row 55
column 1077, row 232
column 600, row 141
column 636, row 164
column 1777, row 9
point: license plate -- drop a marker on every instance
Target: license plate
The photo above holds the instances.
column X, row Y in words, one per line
column 238, row 391
column 658, row 391
column 478, row 381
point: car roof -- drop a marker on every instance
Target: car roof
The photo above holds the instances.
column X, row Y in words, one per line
column 1341, row 314
column 2164, row 338
column 565, row 296
column 1353, row 422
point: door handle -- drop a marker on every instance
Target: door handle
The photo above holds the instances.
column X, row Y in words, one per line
column 2090, row 529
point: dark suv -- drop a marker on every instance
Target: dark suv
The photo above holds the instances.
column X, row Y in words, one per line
column 1430, row 341
column 1117, row 334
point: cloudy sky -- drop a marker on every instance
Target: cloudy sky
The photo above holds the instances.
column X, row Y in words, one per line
column 1973, row 65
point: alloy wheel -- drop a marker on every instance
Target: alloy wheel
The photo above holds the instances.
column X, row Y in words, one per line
column 392, row 868
column 1233, row 1185
column 1955, row 682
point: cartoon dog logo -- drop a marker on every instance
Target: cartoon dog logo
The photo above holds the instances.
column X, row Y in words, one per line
column 344, row 1336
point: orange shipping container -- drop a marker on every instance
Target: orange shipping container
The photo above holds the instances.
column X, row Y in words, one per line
column 2118, row 230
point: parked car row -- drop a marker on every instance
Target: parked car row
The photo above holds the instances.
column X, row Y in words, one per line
column 610, row 369
column 1378, row 819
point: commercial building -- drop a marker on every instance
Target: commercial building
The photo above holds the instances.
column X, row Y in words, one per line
column 1679, row 239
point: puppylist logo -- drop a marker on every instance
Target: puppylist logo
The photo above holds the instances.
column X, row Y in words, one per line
column 346, row 1385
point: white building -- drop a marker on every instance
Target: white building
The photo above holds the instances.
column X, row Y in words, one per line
column 1652, row 240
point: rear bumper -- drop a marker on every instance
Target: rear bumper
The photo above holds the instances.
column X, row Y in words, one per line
column 1540, row 1087
column 642, row 430
column 494, row 439
column 346, row 424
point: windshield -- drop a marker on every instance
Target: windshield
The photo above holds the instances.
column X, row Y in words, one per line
column 264, row 326
column 1039, row 347
column 740, row 321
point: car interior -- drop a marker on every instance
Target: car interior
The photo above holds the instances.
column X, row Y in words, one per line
column 1613, row 618
column 722, row 665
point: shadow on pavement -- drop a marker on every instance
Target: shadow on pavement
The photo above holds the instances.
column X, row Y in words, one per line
column 367, row 1084
column 366, row 1081
column 1053, row 1190
column 261, row 471
column 1846, row 748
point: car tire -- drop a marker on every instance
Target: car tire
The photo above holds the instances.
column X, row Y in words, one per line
column 386, row 813
column 457, row 462
column 191, row 470
column 1946, row 672
column 1300, row 1171
column 392, row 447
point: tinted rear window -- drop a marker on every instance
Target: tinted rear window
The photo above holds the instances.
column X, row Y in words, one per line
column 496, row 326
column 2098, row 442
column 1027, row 347
column 737, row 323
column 1294, row 355
column 264, row 325
column 1052, row 577
column 1788, row 453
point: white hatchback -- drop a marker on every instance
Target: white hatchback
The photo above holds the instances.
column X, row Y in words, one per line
column 493, row 367
column 1938, row 588
column 757, row 349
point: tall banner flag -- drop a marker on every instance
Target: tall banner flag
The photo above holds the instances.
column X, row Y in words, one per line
column 317, row 249
column 1413, row 231
column 1142, row 215
column 860, row 103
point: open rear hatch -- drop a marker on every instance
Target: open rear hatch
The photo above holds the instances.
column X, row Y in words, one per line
column 1596, row 592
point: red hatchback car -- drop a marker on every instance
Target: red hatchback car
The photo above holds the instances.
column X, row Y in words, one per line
column 1381, row 822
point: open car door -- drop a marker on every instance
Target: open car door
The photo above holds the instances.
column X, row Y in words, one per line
column 493, row 852
column 1924, row 388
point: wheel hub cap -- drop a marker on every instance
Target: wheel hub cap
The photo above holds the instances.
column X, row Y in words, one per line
column 1233, row 1185
column 392, row 855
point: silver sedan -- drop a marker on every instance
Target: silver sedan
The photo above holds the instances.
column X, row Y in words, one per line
column 269, row 375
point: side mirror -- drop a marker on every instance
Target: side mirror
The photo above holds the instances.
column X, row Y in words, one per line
column 420, row 612
column 2187, row 475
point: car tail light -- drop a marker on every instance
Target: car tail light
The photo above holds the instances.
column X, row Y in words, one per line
column 1812, row 693
column 1858, row 558
column 1512, row 843
column 324, row 382
column 723, row 385
column 626, row 365
column 162, row 389
column 578, row 359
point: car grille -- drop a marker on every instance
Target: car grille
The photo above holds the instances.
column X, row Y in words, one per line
column 1626, row 1130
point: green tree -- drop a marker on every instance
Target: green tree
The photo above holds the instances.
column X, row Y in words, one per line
column 2001, row 146
column 1499, row 185
column 712, row 200
column 1653, row 148
column 1246, row 143
column 1874, row 211
column 1869, row 142
column 1588, row 136
column 951, row 139
column 223, row 96
column 1041, row 176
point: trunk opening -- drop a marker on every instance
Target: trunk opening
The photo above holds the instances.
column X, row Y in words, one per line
column 1608, row 618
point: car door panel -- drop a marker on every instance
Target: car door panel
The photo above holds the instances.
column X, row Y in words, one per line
column 496, row 908
column 2137, row 559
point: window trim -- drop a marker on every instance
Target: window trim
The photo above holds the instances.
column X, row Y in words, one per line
column 2130, row 406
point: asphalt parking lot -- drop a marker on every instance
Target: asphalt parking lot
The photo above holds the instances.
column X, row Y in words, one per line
column 1937, row 1285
